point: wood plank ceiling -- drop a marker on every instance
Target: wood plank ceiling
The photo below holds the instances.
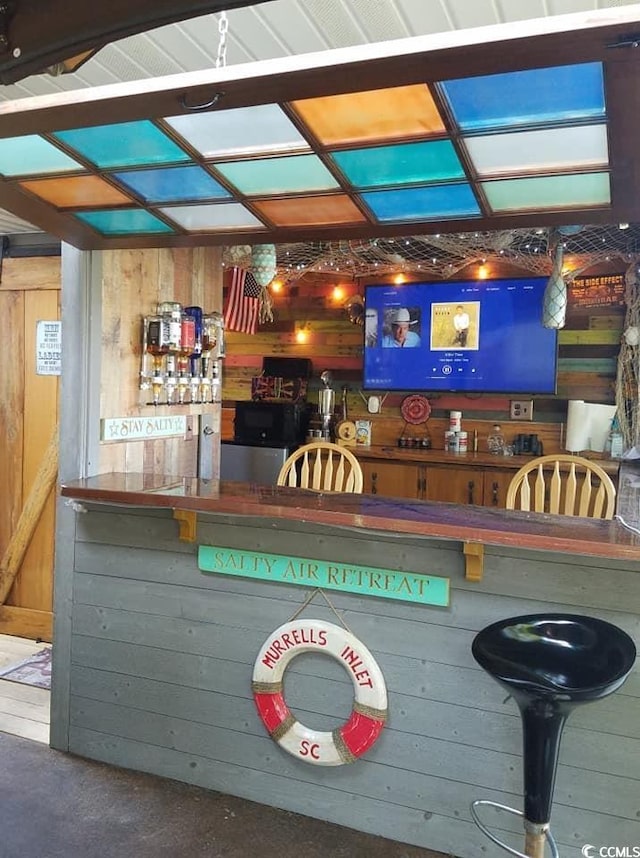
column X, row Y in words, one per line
column 280, row 28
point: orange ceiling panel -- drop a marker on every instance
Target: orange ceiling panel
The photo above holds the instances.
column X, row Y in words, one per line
column 303, row 211
column 77, row 192
column 402, row 112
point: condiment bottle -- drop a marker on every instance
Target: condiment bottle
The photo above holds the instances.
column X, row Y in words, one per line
column 495, row 441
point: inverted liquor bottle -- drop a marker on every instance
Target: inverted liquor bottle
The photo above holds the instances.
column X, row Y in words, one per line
column 196, row 314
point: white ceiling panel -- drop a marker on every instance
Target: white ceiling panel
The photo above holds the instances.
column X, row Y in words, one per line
column 378, row 21
column 425, row 16
column 480, row 13
column 293, row 25
column 521, row 10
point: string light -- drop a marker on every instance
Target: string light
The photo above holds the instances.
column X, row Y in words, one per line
column 303, row 333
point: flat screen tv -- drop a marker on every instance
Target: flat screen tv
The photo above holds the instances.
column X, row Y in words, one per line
column 483, row 336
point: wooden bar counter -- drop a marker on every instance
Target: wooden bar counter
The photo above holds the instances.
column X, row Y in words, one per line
column 160, row 653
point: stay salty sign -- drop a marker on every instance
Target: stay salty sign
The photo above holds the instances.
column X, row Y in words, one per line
column 328, row 575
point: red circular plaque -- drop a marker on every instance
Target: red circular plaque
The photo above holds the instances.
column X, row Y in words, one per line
column 415, row 409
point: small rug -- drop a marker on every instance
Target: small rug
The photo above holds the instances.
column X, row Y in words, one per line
column 35, row 670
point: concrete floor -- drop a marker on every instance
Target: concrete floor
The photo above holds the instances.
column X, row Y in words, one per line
column 53, row 805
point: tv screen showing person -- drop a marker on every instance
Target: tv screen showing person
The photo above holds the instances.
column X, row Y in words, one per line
column 399, row 330
column 371, row 328
column 461, row 322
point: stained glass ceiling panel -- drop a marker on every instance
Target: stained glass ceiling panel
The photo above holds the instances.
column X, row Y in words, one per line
column 211, row 218
column 126, row 144
column 30, row 155
column 124, row 222
column 245, row 131
column 311, row 211
column 369, row 117
column 537, row 151
column 447, row 133
column 549, row 192
column 172, row 183
column 534, row 97
column 409, row 163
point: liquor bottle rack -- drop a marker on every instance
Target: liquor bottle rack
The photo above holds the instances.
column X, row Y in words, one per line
column 182, row 350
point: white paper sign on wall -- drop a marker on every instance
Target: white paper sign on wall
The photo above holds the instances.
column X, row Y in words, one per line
column 48, row 348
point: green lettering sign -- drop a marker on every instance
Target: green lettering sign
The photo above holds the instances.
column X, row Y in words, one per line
column 367, row 580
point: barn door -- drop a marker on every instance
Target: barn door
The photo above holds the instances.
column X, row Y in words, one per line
column 29, row 294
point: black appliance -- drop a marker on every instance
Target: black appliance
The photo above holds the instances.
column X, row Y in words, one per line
column 527, row 445
column 287, row 367
column 270, row 424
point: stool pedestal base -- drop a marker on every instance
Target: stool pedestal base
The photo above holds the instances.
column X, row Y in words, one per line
column 535, row 835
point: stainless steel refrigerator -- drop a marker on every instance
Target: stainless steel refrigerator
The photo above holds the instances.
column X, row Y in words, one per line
column 251, row 464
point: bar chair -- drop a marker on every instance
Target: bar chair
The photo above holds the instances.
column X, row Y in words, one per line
column 570, row 491
column 550, row 664
column 322, row 466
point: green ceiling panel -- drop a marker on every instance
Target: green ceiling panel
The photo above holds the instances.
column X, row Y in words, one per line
column 126, row 144
column 124, row 222
column 291, row 174
column 411, row 163
column 32, row 155
column 549, row 192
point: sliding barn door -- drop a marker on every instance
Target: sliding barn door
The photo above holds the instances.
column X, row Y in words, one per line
column 29, row 295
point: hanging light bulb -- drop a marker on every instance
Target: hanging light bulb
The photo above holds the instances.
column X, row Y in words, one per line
column 554, row 301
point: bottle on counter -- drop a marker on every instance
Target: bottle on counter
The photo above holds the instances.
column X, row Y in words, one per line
column 615, row 442
column 495, row 441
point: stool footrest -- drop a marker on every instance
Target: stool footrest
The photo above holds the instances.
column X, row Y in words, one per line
column 481, row 802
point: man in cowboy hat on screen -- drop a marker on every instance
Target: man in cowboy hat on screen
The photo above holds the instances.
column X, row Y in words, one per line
column 400, row 336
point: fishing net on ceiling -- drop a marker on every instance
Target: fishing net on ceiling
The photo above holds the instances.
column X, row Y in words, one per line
column 628, row 376
column 443, row 256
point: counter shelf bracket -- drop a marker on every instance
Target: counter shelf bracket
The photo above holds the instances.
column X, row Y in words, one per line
column 473, row 561
column 188, row 522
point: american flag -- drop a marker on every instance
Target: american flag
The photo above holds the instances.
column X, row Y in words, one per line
column 243, row 303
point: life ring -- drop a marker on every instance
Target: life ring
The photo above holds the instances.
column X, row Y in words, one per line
column 368, row 716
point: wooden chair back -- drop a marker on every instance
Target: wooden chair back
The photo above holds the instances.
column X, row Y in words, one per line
column 563, row 484
column 323, row 467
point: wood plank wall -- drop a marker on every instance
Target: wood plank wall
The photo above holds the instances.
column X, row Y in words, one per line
column 588, row 349
column 162, row 657
column 133, row 282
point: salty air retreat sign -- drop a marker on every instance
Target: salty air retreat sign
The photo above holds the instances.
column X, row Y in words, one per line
column 329, row 575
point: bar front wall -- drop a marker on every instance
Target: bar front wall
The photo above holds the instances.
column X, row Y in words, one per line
column 161, row 659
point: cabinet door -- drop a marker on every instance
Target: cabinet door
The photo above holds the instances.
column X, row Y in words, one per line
column 393, row 479
column 453, row 485
column 496, row 484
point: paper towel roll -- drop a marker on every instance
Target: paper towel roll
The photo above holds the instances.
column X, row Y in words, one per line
column 588, row 424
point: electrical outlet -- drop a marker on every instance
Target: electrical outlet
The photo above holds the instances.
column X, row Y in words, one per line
column 521, row 409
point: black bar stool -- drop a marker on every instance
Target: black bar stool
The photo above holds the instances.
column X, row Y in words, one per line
column 550, row 664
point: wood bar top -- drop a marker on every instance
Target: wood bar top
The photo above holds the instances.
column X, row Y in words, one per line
column 489, row 526
column 481, row 458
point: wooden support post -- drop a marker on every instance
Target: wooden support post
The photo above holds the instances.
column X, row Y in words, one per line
column 188, row 522
column 29, row 517
column 474, row 561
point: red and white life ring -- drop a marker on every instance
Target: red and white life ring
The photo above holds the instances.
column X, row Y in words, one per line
column 344, row 744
